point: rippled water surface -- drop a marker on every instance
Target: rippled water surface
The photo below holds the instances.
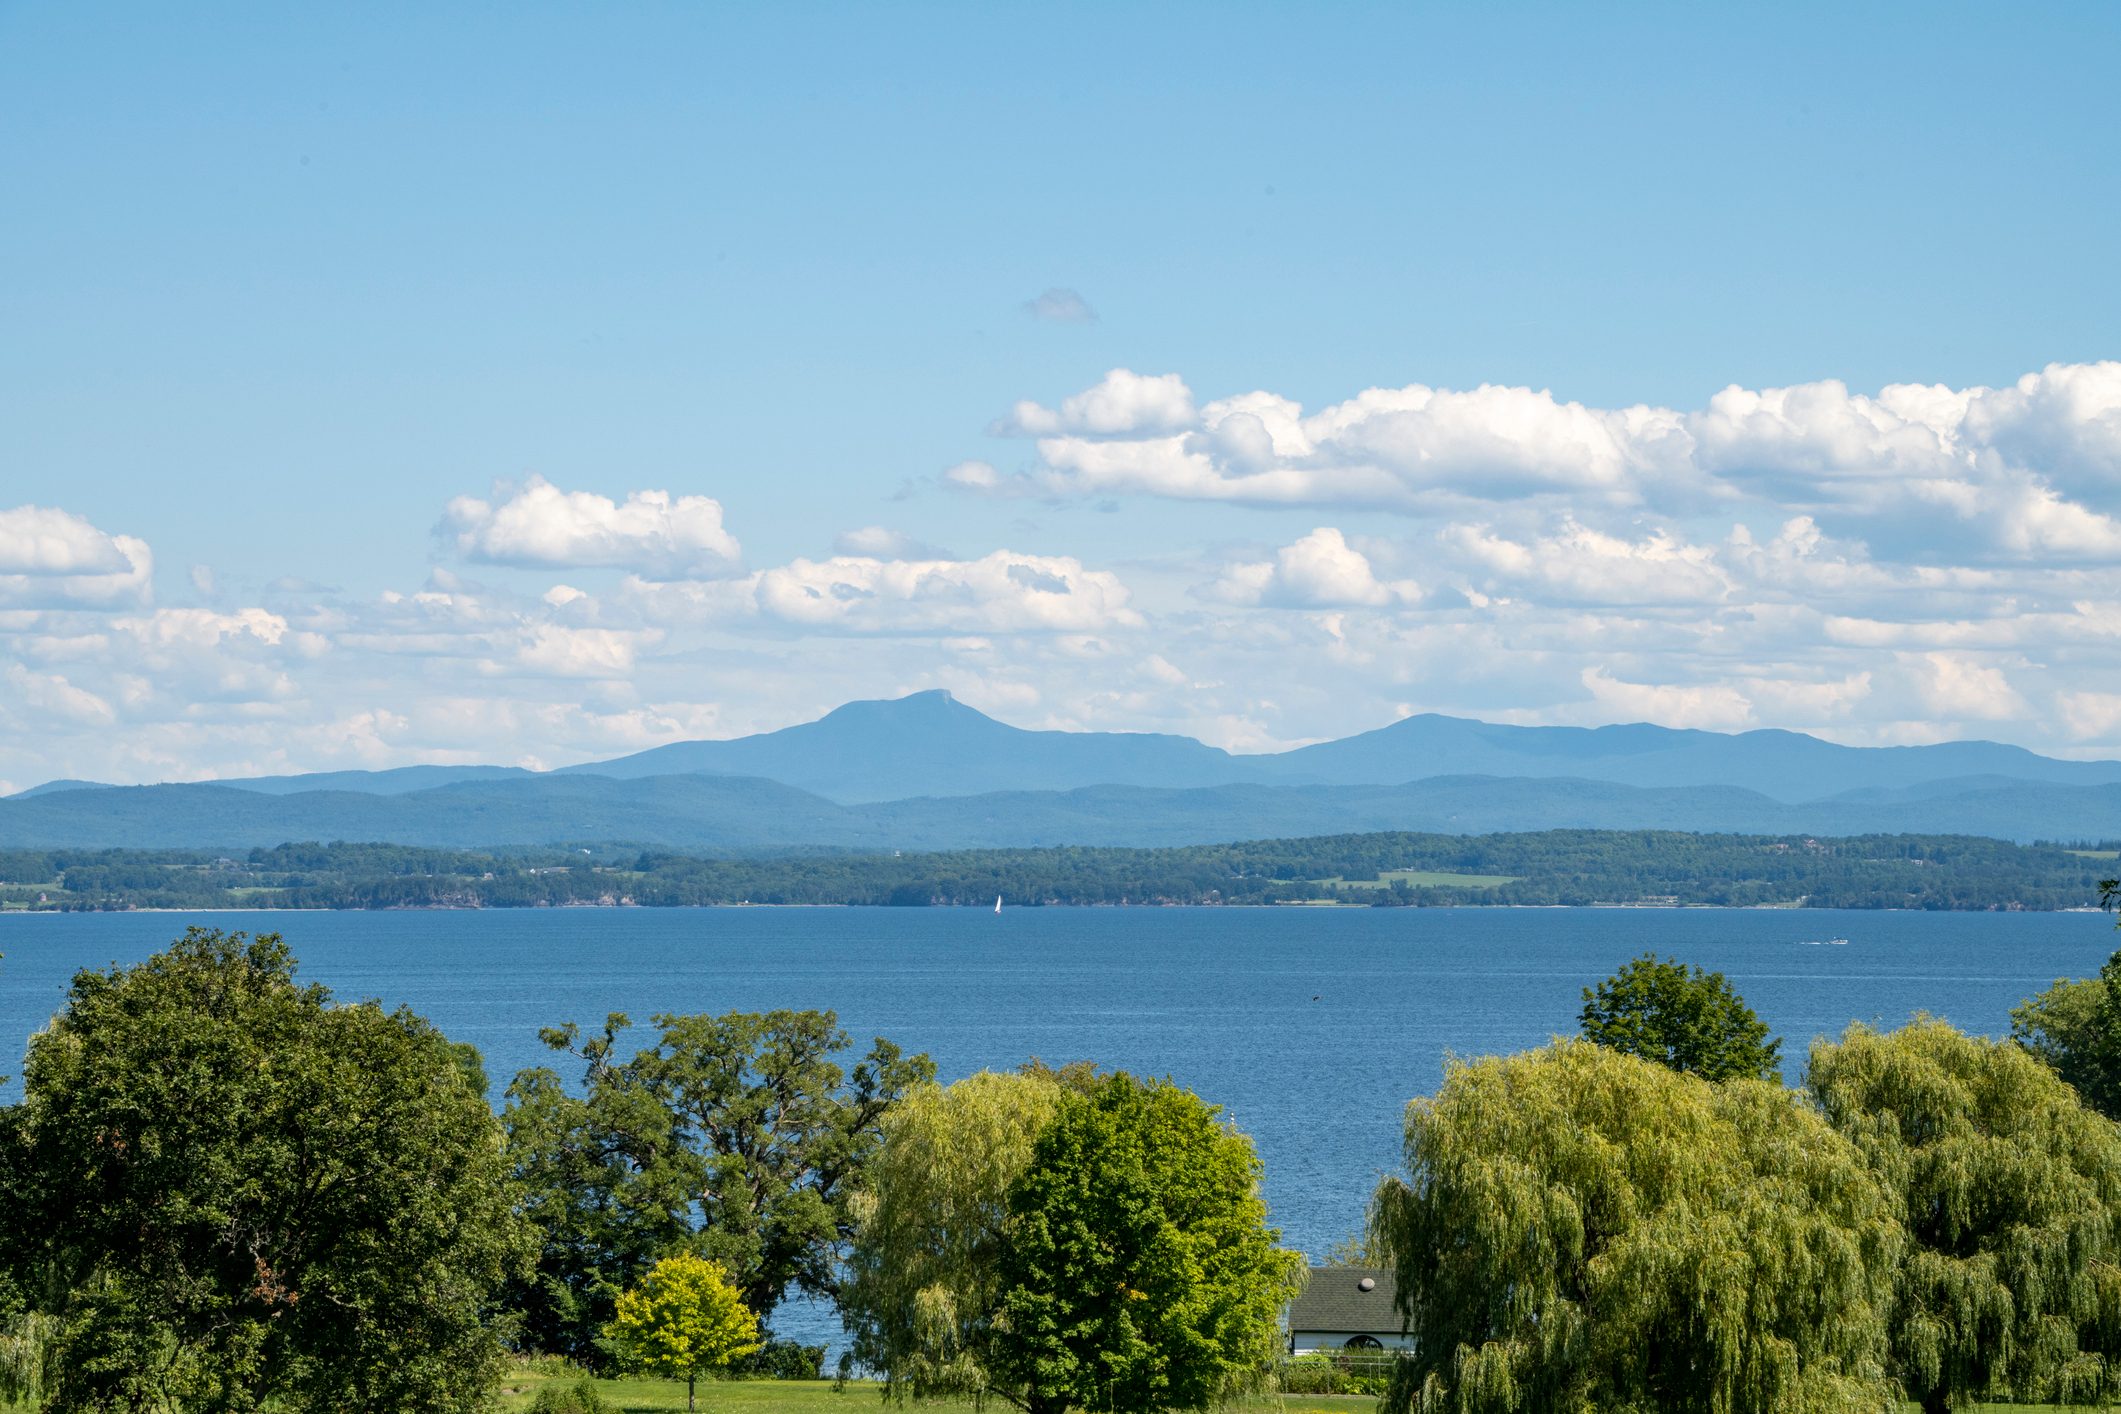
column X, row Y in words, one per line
column 1313, row 1027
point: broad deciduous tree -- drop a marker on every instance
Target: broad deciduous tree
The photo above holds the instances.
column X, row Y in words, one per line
column 1683, row 1018
column 1581, row 1229
column 2010, row 1191
column 738, row 1137
column 683, row 1321
column 1139, row 1272
column 250, row 1196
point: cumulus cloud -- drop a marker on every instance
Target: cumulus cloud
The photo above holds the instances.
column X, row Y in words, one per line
column 1579, row 565
column 1124, row 404
column 1060, row 305
column 2004, row 471
column 1319, row 571
column 539, row 526
column 51, row 558
column 1004, row 592
column 1710, row 706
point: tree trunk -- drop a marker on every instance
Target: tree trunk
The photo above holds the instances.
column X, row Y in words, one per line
column 690, row 1381
column 1045, row 1404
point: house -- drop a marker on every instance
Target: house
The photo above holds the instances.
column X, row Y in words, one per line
column 1345, row 1308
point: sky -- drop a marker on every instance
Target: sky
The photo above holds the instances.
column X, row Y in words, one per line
column 536, row 383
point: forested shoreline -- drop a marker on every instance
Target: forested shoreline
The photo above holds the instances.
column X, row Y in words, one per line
column 1546, row 868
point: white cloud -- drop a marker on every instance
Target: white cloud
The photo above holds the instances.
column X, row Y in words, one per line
column 55, row 700
column 1319, row 571
column 42, row 540
column 1125, row 403
column 51, row 558
column 1709, row 706
column 538, row 526
column 1578, row 565
column 1957, row 687
column 1004, row 592
column 2001, row 473
column 555, row 651
column 972, row 476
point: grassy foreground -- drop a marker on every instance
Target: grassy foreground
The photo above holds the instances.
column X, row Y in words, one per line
column 819, row 1397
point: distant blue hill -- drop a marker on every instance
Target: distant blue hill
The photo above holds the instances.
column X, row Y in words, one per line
column 938, row 773
column 748, row 815
column 932, row 744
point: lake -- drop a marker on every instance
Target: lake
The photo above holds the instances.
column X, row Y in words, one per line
column 1312, row 1026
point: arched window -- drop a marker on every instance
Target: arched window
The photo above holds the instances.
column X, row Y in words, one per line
column 1363, row 1342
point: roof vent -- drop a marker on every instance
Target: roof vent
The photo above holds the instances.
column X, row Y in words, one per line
column 1367, row 1284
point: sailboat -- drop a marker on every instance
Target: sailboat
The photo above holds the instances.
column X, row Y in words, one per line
column 997, row 903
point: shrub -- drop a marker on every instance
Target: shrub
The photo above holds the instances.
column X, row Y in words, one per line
column 781, row 1360
column 581, row 1397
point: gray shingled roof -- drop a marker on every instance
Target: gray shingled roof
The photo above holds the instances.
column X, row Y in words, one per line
column 1336, row 1301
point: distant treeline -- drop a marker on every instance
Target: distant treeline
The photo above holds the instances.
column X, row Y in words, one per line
column 1379, row 870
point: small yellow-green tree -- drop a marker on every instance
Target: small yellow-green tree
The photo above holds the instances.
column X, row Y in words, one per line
column 684, row 1320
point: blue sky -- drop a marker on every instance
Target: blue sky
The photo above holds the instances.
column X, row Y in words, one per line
column 283, row 285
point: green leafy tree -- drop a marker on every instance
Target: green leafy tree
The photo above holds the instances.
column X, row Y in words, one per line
column 925, row 1274
column 1139, row 1272
column 683, row 1321
column 250, row 1196
column 1580, row 1229
column 737, row 1137
column 1680, row 1017
column 2075, row 1026
column 2010, row 1191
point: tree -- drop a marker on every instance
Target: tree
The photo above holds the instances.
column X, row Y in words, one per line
column 2010, row 1191
column 247, row 1194
column 924, row 1277
column 1686, row 1019
column 2074, row 1027
column 1139, row 1272
column 1582, row 1229
column 736, row 1137
column 684, row 1320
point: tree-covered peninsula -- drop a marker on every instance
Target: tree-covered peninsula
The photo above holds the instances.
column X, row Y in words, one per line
column 1545, row 868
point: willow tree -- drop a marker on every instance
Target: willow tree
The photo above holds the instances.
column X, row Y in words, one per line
column 924, row 1276
column 2010, row 1190
column 1583, row 1229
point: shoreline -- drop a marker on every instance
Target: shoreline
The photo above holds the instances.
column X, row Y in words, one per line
column 1311, row 906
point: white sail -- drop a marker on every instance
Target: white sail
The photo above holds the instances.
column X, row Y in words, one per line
column 997, row 903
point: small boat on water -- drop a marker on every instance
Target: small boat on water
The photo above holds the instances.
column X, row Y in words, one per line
column 997, row 903
column 1824, row 942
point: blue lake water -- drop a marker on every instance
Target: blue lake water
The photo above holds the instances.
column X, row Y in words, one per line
column 1312, row 1027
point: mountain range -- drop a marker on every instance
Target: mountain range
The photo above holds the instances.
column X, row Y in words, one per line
column 926, row 772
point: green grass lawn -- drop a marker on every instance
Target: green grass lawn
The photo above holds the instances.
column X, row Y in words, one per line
column 1422, row 879
column 819, row 1397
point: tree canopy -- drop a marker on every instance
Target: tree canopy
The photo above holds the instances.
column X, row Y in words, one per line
column 1581, row 1229
column 240, row 1194
column 683, row 1321
column 925, row 1281
column 2010, row 1191
column 1139, row 1271
column 1681, row 1017
column 737, row 1137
